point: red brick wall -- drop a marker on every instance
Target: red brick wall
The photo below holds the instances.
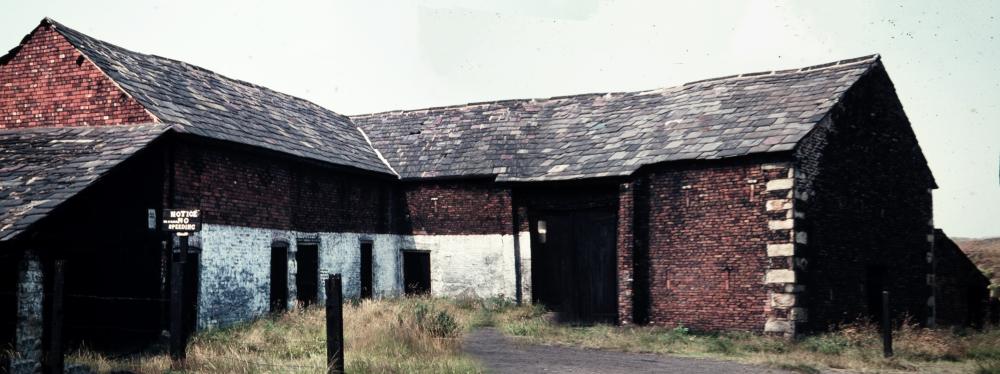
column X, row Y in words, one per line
column 461, row 207
column 244, row 188
column 49, row 83
column 706, row 245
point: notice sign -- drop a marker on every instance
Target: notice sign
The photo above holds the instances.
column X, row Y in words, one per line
column 181, row 220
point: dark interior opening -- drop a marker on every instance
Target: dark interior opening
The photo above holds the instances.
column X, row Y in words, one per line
column 874, row 285
column 417, row 272
column 366, row 269
column 574, row 265
column 976, row 299
column 112, row 300
column 279, row 278
column 307, row 279
column 8, row 305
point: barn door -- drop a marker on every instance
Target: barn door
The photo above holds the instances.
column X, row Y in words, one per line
column 367, row 268
column 307, row 278
column 574, row 267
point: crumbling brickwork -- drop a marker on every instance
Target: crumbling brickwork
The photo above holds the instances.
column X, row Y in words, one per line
column 48, row 82
column 863, row 191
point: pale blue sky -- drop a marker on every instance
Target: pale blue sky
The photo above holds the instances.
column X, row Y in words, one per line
column 364, row 56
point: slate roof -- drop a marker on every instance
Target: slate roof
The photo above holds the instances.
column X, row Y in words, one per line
column 41, row 168
column 201, row 102
column 613, row 134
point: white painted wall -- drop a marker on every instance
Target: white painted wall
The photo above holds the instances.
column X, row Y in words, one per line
column 235, row 266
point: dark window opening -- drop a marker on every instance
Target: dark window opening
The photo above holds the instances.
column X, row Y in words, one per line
column 307, row 279
column 279, row 278
column 417, row 272
column 367, row 268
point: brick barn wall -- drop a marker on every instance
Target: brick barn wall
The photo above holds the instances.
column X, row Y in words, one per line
column 48, row 82
column 250, row 200
column 468, row 228
column 863, row 191
column 241, row 188
column 705, row 249
column 461, row 207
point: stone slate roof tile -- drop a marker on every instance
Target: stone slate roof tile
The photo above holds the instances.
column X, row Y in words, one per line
column 613, row 134
column 43, row 167
column 201, row 102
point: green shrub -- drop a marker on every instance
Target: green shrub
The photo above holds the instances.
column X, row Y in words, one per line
column 443, row 325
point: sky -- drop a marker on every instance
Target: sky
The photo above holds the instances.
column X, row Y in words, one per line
column 367, row 56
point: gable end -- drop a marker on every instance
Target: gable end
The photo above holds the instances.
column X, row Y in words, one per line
column 46, row 81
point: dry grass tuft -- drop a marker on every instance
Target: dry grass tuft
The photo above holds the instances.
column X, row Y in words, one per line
column 411, row 335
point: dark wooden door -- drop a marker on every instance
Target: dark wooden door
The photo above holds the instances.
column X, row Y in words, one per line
column 307, row 278
column 279, row 278
column 417, row 272
column 366, row 269
column 574, row 265
column 192, row 279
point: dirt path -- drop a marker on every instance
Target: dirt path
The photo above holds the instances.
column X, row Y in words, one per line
column 501, row 355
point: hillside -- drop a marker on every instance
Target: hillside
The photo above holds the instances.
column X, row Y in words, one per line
column 985, row 253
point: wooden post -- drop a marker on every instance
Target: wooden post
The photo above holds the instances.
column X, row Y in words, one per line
column 177, row 341
column 334, row 325
column 54, row 357
column 886, row 326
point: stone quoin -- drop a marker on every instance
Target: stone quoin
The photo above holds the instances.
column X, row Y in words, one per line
column 776, row 202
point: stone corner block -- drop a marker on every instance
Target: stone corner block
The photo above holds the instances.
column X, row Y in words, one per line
column 780, row 184
column 780, row 250
column 777, row 326
column 780, row 276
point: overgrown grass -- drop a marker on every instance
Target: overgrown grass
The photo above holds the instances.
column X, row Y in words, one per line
column 422, row 335
column 853, row 347
column 412, row 335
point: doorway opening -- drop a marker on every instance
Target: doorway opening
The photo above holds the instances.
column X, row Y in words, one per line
column 574, row 265
column 874, row 285
column 279, row 277
column 417, row 272
column 367, row 269
column 307, row 279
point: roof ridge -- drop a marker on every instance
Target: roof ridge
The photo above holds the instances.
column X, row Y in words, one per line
column 870, row 59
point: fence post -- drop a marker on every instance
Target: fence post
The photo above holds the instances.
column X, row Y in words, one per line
column 886, row 326
column 177, row 343
column 334, row 325
column 54, row 357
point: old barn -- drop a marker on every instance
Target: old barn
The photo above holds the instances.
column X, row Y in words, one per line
column 779, row 202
